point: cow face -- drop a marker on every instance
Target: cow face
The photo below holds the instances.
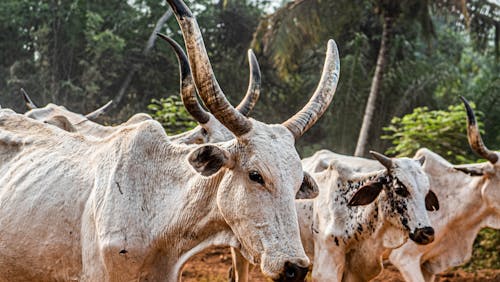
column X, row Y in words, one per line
column 256, row 197
column 491, row 191
column 405, row 203
column 488, row 175
column 405, row 200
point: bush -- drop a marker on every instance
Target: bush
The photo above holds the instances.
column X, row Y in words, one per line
column 170, row 112
column 442, row 131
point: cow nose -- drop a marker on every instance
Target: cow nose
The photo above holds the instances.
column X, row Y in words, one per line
column 293, row 273
column 423, row 236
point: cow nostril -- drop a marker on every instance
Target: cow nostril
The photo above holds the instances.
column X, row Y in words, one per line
column 294, row 272
column 429, row 231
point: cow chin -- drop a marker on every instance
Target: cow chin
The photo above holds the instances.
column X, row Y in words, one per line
column 285, row 268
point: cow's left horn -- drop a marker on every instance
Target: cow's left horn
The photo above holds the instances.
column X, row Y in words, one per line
column 253, row 91
column 383, row 159
column 27, row 100
column 319, row 102
column 204, row 78
column 97, row 113
column 475, row 141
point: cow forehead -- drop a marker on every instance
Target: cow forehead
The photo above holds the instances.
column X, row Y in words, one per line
column 272, row 148
column 411, row 173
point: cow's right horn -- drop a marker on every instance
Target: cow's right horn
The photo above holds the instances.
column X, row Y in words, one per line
column 204, row 78
column 188, row 91
column 475, row 141
column 317, row 105
column 27, row 100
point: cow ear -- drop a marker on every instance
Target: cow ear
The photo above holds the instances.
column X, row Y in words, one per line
column 431, row 201
column 421, row 160
column 308, row 189
column 208, row 159
column 366, row 194
column 61, row 122
column 473, row 170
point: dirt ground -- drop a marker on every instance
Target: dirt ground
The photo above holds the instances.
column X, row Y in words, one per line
column 213, row 264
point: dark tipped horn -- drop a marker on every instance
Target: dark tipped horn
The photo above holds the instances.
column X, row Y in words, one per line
column 384, row 160
column 188, row 89
column 474, row 136
column 317, row 105
column 97, row 113
column 27, row 100
column 253, row 91
column 203, row 75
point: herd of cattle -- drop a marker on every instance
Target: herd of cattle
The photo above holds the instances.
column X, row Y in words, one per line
column 80, row 201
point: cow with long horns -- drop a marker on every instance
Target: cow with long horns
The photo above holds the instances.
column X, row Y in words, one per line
column 470, row 201
column 136, row 206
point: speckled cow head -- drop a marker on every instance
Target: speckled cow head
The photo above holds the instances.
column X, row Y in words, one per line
column 405, row 199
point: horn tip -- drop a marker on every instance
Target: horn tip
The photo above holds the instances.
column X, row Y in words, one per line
column 180, row 8
column 471, row 118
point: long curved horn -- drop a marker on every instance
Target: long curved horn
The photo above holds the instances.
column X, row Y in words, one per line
column 188, row 90
column 475, row 141
column 384, row 160
column 102, row 110
column 253, row 92
column 317, row 105
column 27, row 100
column 204, row 78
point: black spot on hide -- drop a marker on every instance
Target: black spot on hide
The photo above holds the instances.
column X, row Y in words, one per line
column 336, row 241
column 122, row 252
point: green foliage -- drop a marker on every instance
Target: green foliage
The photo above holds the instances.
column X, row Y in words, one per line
column 170, row 112
column 444, row 132
column 486, row 251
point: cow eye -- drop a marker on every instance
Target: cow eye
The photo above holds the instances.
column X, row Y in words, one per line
column 204, row 132
column 402, row 192
column 256, row 177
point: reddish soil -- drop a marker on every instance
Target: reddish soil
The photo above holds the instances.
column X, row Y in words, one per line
column 212, row 266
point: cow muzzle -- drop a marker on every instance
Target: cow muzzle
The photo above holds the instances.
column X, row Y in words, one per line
column 292, row 273
column 422, row 236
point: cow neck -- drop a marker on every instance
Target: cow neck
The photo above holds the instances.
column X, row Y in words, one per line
column 463, row 195
column 194, row 221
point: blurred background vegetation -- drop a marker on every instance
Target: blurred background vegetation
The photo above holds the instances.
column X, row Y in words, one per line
column 81, row 54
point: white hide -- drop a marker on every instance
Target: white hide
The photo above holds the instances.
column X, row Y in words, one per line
column 209, row 132
column 130, row 207
column 467, row 204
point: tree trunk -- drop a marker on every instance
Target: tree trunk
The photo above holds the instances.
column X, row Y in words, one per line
column 149, row 45
column 366, row 127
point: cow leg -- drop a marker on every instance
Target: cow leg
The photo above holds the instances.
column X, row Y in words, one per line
column 428, row 276
column 239, row 270
column 327, row 265
column 408, row 265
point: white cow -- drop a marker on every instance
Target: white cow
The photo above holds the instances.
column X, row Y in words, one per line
column 135, row 206
column 209, row 130
column 471, row 201
column 360, row 213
